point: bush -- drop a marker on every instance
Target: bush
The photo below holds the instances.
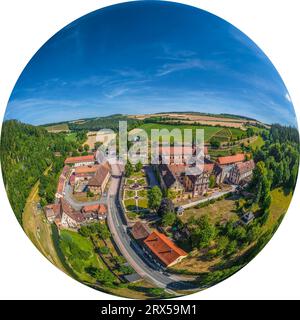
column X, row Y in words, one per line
column 104, row 250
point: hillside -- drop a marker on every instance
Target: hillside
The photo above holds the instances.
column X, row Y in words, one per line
column 26, row 151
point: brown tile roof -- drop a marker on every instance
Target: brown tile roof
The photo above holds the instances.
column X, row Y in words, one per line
column 61, row 184
column 166, row 251
column 140, row 231
column 68, row 210
column 245, row 166
column 71, row 160
column 101, row 174
column 52, row 210
column 97, row 208
column 86, row 169
column 231, row 159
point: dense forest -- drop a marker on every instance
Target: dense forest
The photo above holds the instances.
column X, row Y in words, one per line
column 279, row 157
column 26, row 152
column 110, row 122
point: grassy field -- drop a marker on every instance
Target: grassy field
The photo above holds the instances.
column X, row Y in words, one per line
column 70, row 137
column 58, row 127
column 279, row 206
column 258, row 143
column 222, row 210
column 208, row 131
column 39, row 230
column 77, row 264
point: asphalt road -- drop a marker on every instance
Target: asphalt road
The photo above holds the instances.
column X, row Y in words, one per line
column 142, row 264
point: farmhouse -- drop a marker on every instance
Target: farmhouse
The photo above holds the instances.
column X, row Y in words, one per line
column 80, row 161
column 163, row 249
column 69, row 217
column 52, row 211
column 241, row 171
column 95, row 212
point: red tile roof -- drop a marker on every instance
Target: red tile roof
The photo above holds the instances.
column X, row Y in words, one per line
column 165, row 250
column 88, row 158
column 231, row 159
column 86, row 169
column 97, row 208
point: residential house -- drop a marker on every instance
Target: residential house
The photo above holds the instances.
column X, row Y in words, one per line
column 52, row 211
column 241, row 171
column 163, row 249
column 94, row 212
column 70, row 218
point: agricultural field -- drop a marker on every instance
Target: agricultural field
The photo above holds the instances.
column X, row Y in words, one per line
column 209, row 132
column 203, row 119
column 61, row 127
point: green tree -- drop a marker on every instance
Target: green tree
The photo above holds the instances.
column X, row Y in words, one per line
column 212, row 181
column 169, row 219
column 138, row 166
column 154, row 198
column 215, row 143
column 203, row 233
column 128, row 169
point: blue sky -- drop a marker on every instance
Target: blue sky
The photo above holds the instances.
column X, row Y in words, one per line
column 146, row 57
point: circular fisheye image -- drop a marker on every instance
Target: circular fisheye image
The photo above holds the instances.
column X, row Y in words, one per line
column 149, row 150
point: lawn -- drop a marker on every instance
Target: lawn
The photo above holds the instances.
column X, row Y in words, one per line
column 143, row 203
column 129, row 193
column 279, row 206
column 142, row 193
column 142, row 181
column 130, row 181
column 222, row 210
column 78, row 262
column 129, row 204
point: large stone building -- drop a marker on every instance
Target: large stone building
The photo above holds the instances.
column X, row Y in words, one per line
column 191, row 183
column 241, row 171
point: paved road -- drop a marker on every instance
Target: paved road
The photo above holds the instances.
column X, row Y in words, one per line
column 78, row 204
column 213, row 196
column 130, row 250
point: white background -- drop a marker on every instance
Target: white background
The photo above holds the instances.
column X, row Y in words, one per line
column 25, row 25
